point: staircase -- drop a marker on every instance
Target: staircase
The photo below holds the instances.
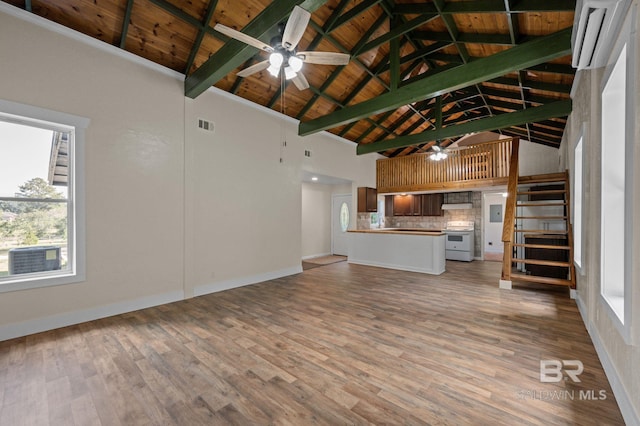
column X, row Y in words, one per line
column 541, row 246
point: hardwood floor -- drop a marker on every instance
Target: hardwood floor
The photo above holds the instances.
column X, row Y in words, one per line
column 339, row 344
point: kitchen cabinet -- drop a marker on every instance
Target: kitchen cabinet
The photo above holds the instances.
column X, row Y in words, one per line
column 407, row 205
column 432, row 204
column 367, row 200
column 388, row 205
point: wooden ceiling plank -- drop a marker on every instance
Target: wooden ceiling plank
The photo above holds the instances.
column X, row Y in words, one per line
column 487, row 6
column 394, row 58
column 338, row 70
column 234, row 53
column 125, row 23
column 501, row 121
column 512, row 20
column 518, row 57
column 201, row 32
column 353, row 12
column 177, row 12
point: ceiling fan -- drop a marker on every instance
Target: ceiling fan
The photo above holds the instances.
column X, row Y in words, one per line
column 438, row 153
column 282, row 49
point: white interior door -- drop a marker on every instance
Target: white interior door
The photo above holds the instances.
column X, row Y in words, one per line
column 340, row 217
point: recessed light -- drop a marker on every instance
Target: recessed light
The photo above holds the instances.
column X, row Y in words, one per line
column 315, row 178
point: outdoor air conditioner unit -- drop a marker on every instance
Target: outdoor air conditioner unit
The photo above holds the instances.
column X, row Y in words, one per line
column 33, row 259
column 595, row 27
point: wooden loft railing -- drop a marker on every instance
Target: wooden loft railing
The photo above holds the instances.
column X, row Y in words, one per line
column 481, row 165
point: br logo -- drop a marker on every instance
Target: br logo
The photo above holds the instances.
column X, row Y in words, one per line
column 555, row 370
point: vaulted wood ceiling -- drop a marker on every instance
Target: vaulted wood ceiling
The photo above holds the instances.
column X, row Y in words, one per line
column 421, row 72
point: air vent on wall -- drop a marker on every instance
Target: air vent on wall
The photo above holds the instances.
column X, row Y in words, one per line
column 595, row 28
column 205, row 125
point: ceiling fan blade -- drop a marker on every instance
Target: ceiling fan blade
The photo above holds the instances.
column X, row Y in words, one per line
column 253, row 69
column 300, row 81
column 243, row 37
column 296, row 25
column 324, row 58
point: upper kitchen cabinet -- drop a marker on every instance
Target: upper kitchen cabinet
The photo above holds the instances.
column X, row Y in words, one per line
column 407, row 205
column 367, row 200
column 432, row 204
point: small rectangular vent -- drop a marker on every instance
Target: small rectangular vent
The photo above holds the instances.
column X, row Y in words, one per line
column 205, row 125
column 307, row 153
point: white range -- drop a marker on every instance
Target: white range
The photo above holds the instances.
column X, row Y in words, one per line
column 459, row 242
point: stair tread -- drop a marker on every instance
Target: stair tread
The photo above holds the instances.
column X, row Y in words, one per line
column 544, row 192
column 542, row 231
column 542, row 217
column 542, row 262
column 544, row 178
column 542, row 246
column 542, row 280
column 529, row 204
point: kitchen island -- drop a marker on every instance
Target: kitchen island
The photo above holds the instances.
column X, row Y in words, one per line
column 404, row 249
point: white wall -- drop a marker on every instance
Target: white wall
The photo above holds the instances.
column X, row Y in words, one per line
column 316, row 219
column 537, row 159
column 171, row 211
column 619, row 358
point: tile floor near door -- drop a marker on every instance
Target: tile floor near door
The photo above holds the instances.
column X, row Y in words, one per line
column 338, row 344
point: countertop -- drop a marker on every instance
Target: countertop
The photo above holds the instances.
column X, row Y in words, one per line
column 401, row 231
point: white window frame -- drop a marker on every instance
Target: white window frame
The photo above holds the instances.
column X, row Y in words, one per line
column 623, row 320
column 578, row 202
column 57, row 121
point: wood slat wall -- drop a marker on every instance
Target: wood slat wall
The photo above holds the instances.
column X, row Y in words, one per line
column 486, row 164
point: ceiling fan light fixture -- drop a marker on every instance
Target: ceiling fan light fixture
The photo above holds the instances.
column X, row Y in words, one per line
column 274, row 71
column 295, row 63
column 289, row 73
column 437, row 156
column 276, row 59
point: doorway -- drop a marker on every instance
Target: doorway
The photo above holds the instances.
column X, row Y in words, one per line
column 340, row 221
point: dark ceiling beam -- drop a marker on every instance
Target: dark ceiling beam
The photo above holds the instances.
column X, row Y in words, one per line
column 547, row 131
column 235, row 53
column 201, row 32
column 553, row 68
column 125, row 22
column 395, row 32
column 27, row 6
column 463, row 38
column 518, row 57
column 354, row 11
column 552, row 124
column 501, row 121
column 523, row 134
column 534, row 85
column 490, row 91
column 486, row 6
column 418, row 54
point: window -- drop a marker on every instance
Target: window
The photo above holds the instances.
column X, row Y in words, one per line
column 617, row 178
column 577, row 205
column 344, row 217
column 41, row 214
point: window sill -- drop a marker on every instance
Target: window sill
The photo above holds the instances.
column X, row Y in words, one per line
column 39, row 281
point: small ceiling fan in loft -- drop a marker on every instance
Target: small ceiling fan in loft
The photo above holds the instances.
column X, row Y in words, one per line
column 282, row 49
